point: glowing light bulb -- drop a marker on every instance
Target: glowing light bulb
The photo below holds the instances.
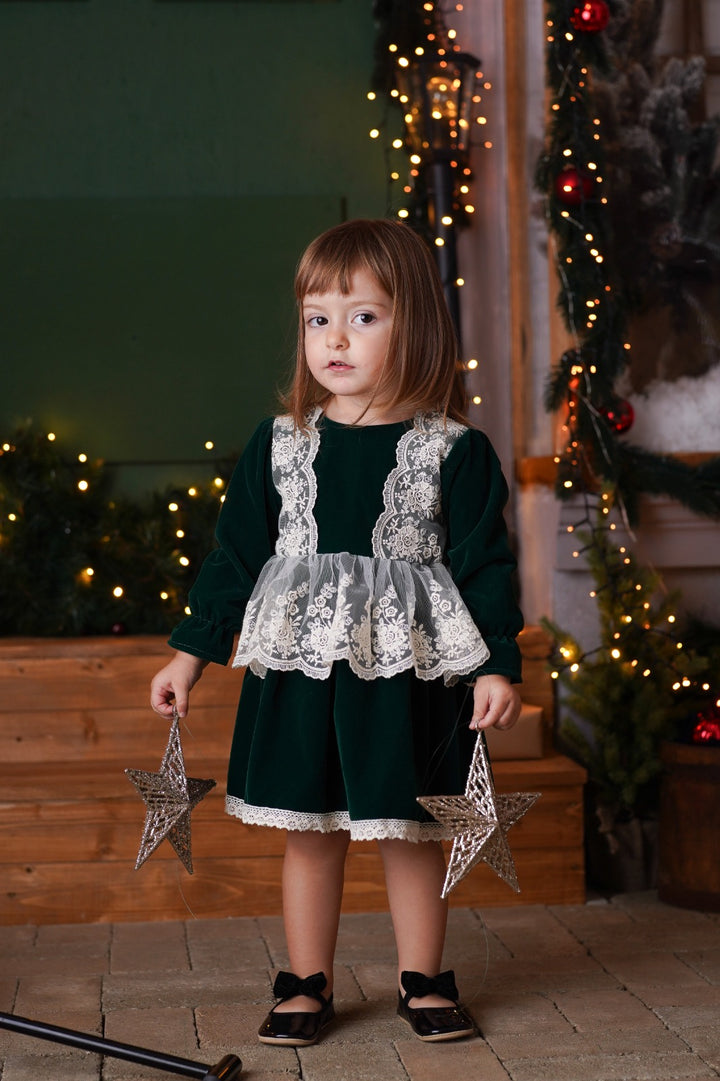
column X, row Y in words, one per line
column 374, row 133
column 209, row 445
column 83, row 485
column 118, row 591
column 82, row 457
column 173, row 507
column 472, row 364
column 184, row 561
column 477, row 400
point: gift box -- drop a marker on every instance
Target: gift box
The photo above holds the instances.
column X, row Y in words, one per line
column 523, row 740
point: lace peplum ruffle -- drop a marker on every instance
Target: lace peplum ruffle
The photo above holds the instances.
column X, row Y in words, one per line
column 382, row 616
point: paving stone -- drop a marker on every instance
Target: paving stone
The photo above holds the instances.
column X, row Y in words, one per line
column 377, row 981
column 84, row 1021
column 534, row 932
column 80, row 1067
column 630, row 1067
column 548, row 975
column 16, row 941
column 169, row 989
column 77, row 949
column 167, row 1031
column 703, row 1012
column 585, row 1010
column 460, row 1060
column 231, row 944
column 334, row 1061
column 662, row 998
column 521, row 1014
column 43, row 998
column 654, row 969
column 226, row 1030
column 8, row 990
column 149, row 947
column 705, row 962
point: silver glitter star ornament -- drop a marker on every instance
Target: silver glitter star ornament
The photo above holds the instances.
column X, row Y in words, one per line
column 169, row 796
column 479, row 821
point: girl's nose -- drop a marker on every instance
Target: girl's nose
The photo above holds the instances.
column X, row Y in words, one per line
column 336, row 338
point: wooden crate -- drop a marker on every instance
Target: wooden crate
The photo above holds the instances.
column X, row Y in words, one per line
column 74, row 715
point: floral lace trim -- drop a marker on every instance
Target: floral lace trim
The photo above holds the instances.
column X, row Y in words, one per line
column 370, row 829
column 382, row 616
column 410, row 526
column 293, row 454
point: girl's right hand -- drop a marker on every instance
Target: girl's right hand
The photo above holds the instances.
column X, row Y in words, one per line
column 171, row 686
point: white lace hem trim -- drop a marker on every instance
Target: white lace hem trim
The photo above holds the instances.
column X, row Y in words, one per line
column 371, row 829
column 383, row 616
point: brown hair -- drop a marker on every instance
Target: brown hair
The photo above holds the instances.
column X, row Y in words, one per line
column 421, row 372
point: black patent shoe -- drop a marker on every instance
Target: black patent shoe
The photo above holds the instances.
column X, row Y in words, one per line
column 434, row 1023
column 297, row 1029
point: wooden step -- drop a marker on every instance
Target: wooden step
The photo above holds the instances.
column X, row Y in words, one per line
column 74, row 716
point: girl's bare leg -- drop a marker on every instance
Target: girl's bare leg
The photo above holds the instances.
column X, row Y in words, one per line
column 312, row 883
column 414, row 876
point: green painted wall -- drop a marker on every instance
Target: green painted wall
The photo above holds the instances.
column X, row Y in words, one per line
column 162, row 164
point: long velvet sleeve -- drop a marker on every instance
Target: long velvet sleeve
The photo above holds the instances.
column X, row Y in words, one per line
column 246, row 534
column 474, row 494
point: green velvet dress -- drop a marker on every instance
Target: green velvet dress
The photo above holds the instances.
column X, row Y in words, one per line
column 343, row 722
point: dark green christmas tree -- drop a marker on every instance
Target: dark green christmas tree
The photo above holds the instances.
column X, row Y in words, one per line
column 638, row 687
column 74, row 560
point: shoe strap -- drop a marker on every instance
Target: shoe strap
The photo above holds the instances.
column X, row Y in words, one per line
column 288, row 985
column 417, row 985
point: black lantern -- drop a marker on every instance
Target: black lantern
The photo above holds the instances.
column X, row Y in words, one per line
column 439, row 93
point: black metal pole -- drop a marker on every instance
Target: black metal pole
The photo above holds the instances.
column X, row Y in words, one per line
column 441, row 206
column 228, row 1069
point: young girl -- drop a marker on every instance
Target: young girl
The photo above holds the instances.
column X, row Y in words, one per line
column 363, row 559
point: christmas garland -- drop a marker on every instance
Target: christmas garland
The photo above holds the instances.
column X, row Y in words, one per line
column 634, row 212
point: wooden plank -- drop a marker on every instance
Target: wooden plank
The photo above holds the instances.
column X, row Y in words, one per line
column 98, row 734
column 109, row 830
column 83, row 680
column 47, row 781
column 161, row 890
column 72, row 780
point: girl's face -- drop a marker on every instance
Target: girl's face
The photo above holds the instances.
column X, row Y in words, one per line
column 346, row 343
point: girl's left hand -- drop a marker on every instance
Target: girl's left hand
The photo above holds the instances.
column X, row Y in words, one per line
column 496, row 703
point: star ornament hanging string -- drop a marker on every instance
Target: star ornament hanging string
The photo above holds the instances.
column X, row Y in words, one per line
column 479, row 822
column 169, row 796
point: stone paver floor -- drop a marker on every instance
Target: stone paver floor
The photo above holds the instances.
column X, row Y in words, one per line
column 620, row 989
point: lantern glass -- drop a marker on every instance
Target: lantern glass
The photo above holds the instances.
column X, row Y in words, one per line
column 439, row 109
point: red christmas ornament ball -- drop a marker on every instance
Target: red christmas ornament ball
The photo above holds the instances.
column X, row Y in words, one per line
column 619, row 415
column 572, row 187
column 707, row 726
column 590, row 17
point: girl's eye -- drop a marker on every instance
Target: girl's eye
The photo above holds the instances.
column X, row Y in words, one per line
column 317, row 321
column 365, row 318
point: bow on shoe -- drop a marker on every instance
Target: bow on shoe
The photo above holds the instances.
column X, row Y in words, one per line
column 417, row 985
column 288, row 985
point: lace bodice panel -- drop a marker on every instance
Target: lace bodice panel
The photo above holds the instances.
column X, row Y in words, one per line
column 396, row 610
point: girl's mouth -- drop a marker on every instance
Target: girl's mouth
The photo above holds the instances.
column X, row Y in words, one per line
column 338, row 364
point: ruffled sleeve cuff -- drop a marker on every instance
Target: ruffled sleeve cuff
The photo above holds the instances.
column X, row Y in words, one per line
column 505, row 660
column 203, row 639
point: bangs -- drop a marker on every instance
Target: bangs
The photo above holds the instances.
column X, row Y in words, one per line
column 331, row 260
